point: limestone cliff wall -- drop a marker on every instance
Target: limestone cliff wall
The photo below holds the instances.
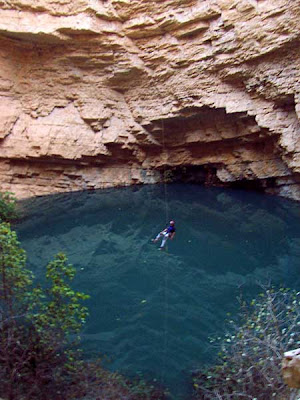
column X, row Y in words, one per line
column 95, row 93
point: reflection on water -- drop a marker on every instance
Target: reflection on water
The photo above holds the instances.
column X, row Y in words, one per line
column 152, row 312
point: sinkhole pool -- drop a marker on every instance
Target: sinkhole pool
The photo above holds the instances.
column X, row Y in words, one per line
column 152, row 312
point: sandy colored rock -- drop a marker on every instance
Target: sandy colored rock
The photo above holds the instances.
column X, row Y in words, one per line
column 117, row 92
column 291, row 368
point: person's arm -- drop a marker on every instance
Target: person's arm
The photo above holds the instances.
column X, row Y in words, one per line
column 172, row 235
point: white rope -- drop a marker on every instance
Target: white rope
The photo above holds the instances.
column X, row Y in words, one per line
column 164, row 175
column 166, row 271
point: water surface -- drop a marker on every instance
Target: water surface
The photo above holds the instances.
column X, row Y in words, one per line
column 152, row 312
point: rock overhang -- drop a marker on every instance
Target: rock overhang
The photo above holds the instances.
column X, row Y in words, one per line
column 97, row 94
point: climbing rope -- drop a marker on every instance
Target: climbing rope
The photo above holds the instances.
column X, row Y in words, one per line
column 166, row 270
column 164, row 174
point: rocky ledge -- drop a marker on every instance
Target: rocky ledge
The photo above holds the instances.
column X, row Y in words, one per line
column 98, row 93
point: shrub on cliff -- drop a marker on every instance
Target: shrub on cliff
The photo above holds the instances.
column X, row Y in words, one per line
column 37, row 354
column 7, row 207
column 249, row 363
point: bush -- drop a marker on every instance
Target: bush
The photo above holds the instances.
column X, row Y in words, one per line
column 37, row 355
column 249, row 363
column 7, row 207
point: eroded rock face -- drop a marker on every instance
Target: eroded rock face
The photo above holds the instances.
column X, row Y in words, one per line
column 96, row 93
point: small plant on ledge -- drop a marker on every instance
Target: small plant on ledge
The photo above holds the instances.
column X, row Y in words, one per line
column 8, row 211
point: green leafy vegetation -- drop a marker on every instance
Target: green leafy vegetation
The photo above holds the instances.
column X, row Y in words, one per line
column 7, row 207
column 36, row 354
column 249, row 363
column 40, row 355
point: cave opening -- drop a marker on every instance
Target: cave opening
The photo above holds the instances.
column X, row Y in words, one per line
column 256, row 185
column 201, row 174
column 206, row 175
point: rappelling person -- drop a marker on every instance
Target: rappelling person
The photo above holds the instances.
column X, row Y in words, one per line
column 166, row 234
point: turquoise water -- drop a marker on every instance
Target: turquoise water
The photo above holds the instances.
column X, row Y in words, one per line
column 151, row 312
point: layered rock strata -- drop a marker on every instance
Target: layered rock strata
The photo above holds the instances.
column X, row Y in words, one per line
column 98, row 93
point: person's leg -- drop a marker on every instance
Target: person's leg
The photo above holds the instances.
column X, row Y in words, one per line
column 157, row 237
column 165, row 238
